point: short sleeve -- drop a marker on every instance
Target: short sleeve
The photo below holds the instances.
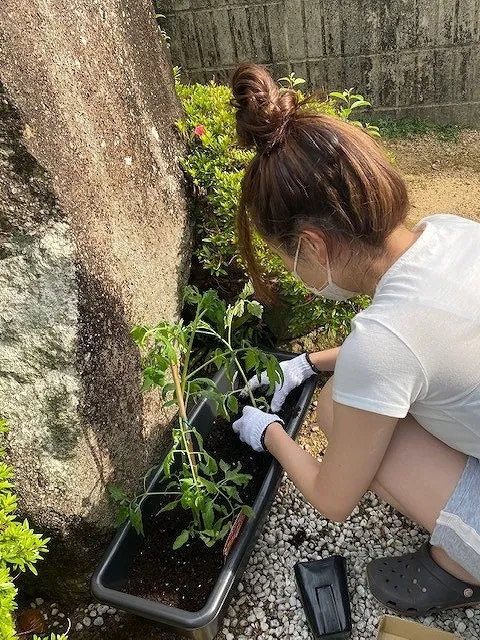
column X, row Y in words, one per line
column 376, row 371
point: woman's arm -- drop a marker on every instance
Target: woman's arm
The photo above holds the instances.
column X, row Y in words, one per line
column 355, row 451
column 325, row 360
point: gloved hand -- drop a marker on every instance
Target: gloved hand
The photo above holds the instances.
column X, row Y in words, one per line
column 295, row 371
column 251, row 426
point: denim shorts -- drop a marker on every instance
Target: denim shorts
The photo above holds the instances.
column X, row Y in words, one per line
column 457, row 530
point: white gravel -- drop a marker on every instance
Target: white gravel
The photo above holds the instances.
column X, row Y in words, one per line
column 267, row 606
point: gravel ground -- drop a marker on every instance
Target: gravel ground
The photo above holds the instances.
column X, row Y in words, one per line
column 267, row 605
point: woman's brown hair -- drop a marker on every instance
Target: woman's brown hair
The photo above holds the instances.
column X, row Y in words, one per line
column 310, row 171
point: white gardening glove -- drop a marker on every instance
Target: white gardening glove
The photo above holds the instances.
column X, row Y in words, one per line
column 252, row 425
column 295, row 371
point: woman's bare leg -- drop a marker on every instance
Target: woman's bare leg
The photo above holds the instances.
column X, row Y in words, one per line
column 417, row 476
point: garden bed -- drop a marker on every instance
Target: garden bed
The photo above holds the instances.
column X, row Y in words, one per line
column 112, row 582
column 179, row 584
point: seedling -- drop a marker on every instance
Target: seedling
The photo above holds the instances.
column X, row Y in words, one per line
column 291, row 81
column 346, row 102
column 196, row 481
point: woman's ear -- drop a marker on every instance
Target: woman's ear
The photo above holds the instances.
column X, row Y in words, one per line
column 315, row 244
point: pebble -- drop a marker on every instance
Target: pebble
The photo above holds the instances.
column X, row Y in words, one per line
column 87, row 621
column 267, row 605
column 98, row 622
column 39, row 601
column 78, row 626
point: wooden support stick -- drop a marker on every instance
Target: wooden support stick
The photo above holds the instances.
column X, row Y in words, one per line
column 183, row 413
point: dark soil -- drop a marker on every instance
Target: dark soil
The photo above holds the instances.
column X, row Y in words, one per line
column 185, row 578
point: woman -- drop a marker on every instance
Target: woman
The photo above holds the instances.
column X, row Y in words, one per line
column 402, row 413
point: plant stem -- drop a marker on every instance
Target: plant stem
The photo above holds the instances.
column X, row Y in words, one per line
column 204, row 365
column 158, row 493
column 233, row 353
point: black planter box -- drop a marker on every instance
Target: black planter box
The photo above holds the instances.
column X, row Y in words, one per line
column 112, row 573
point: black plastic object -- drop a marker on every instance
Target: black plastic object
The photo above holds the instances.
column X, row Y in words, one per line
column 322, row 585
column 111, row 576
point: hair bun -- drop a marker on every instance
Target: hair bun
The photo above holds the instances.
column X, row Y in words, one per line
column 264, row 110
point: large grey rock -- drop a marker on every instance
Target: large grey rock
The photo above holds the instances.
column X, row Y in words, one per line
column 94, row 239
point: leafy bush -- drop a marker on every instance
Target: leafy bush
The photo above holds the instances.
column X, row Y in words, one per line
column 216, row 164
column 20, row 549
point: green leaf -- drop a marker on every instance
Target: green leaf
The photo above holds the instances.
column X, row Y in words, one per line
column 208, row 484
column 224, row 530
column 255, row 308
column 298, row 81
column 232, row 404
column 122, row 515
column 199, row 502
column 170, row 506
column 138, row 334
column 337, row 94
column 212, row 465
column 198, row 437
column 224, row 466
column 167, row 463
column 360, row 103
column 248, row 511
column 240, row 479
column 116, row 493
column 208, row 514
column 167, row 388
column 211, row 542
column 251, row 359
column 181, row 539
column 135, row 516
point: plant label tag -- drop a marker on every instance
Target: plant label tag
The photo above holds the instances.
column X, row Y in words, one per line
column 234, row 533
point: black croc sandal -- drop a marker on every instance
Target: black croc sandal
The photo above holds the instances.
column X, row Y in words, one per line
column 415, row 585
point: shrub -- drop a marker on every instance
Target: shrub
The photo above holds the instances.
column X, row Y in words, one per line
column 215, row 165
column 20, row 549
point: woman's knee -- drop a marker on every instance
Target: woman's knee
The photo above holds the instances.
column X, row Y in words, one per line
column 325, row 408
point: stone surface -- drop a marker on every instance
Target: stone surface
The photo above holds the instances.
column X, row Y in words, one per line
column 94, row 239
column 410, row 58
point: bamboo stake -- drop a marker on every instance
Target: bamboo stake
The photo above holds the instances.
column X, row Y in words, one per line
column 183, row 414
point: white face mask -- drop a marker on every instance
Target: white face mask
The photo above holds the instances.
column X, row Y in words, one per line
column 330, row 291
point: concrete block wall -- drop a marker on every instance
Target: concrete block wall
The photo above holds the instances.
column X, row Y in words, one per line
column 409, row 57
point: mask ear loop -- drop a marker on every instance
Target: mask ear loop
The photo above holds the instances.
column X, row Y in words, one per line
column 297, row 253
column 329, row 273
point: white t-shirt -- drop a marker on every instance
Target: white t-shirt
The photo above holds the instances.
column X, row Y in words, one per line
column 416, row 349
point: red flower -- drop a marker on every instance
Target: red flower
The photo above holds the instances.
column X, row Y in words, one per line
column 199, row 130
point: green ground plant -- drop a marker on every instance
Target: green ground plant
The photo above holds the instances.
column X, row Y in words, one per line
column 215, row 165
column 20, row 549
column 195, row 481
column 407, row 128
